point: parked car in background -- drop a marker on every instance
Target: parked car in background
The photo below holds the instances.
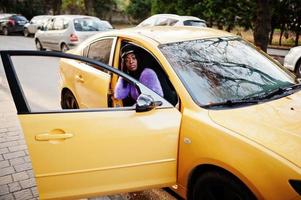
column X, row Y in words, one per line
column 12, row 23
column 63, row 32
column 172, row 20
column 292, row 60
column 36, row 22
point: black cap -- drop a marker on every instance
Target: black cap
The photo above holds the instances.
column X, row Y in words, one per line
column 127, row 49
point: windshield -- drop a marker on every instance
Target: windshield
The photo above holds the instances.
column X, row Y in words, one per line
column 39, row 20
column 91, row 24
column 195, row 23
column 224, row 69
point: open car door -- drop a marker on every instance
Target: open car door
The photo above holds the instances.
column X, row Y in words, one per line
column 88, row 152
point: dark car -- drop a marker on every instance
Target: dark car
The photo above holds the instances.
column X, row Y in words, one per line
column 12, row 23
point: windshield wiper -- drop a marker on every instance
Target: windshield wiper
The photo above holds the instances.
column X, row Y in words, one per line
column 230, row 103
column 278, row 91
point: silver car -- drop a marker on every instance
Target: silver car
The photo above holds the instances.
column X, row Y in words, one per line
column 292, row 60
column 172, row 20
column 63, row 32
column 35, row 23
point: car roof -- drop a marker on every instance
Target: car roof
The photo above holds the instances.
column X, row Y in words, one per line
column 178, row 17
column 74, row 16
column 42, row 16
column 166, row 34
column 4, row 15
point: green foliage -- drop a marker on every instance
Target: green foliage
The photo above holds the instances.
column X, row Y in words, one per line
column 103, row 7
column 122, row 4
column 139, row 9
column 28, row 8
column 163, row 6
column 73, row 6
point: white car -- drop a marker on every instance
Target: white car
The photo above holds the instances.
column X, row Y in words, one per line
column 172, row 20
column 292, row 60
column 35, row 23
column 64, row 32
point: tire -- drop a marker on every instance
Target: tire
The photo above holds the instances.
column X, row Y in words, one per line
column 26, row 33
column 216, row 185
column 39, row 45
column 64, row 47
column 5, row 31
column 68, row 101
column 298, row 69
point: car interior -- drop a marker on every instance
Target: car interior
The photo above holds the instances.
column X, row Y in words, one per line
column 147, row 60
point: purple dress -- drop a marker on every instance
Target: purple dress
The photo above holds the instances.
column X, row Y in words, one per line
column 148, row 78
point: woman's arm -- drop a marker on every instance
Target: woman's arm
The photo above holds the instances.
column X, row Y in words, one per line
column 122, row 89
column 150, row 79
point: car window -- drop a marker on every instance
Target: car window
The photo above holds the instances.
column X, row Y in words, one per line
column 90, row 24
column 58, row 24
column 172, row 22
column 49, row 25
column 162, row 22
column 148, row 22
column 194, row 23
column 65, row 84
column 19, row 18
column 101, row 50
column 147, row 62
column 85, row 51
column 224, row 69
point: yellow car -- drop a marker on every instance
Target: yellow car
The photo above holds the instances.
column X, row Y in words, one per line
column 227, row 127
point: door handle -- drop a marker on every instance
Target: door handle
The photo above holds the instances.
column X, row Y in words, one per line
column 79, row 78
column 48, row 136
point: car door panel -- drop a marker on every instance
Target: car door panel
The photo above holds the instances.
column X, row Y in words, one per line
column 82, row 153
column 94, row 85
column 90, row 83
column 109, row 151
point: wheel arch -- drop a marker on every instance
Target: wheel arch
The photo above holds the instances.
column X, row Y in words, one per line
column 203, row 168
column 298, row 61
column 66, row 89
column 63, row 43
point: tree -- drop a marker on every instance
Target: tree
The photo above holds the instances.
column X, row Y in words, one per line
column 295, row 18
column 73, row 6
column 139, row 9
column 55, row 6
column 262, row 24
column 103, row 8
column 163, row 6
column 89, row 7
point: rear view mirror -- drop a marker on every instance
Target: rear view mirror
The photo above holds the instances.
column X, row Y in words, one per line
column 145, row 103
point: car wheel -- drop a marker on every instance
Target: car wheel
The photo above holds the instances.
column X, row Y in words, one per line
column 64, row 47
column 5, row 31
column 68, row 101
column 217, row 185
column 25, row 32
column 298, row 69
column 39, row 45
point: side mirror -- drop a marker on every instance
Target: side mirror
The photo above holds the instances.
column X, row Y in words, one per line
column 40, row 28
column 146, row 103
